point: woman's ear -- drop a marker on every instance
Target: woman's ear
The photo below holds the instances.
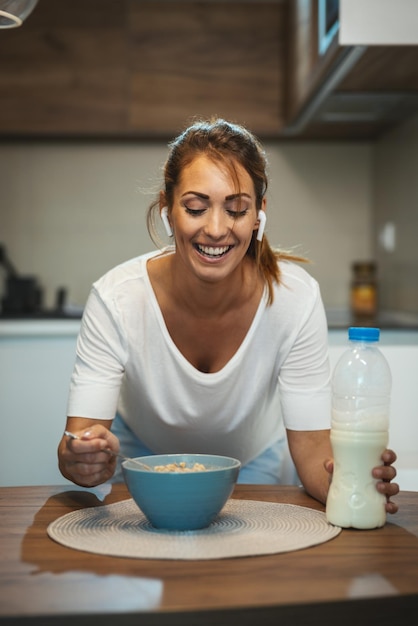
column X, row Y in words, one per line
column 164, row 218
column 262, row 218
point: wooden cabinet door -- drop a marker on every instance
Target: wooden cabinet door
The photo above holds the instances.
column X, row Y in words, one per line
column 200, row 59
column 135, row 68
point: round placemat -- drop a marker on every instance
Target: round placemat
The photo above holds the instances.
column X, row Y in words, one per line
column 243, row 528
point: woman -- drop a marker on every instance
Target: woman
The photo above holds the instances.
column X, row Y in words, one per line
column 215, row 344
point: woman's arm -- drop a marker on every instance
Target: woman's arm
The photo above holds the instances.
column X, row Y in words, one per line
column 312, row 454
column 83, row 460
column 310, row 450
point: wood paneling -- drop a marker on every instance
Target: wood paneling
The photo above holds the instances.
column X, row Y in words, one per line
column 65, row 70
column 204, row 59
column 307, row 68
column 144, row 69
column 384, row 68
column 133, row 68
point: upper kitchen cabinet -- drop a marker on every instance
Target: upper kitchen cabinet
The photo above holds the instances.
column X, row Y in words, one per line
column 203, row 58
column 65, row 71
column 129, row 68
column 344, row 91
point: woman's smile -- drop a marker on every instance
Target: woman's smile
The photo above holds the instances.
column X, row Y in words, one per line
column 212, row 252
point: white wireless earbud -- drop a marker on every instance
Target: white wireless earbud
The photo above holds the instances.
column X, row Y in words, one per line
column 167, row 225
column 262, row 218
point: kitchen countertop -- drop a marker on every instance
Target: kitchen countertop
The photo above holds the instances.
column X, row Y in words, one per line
column 29, row 327
column 388, row 320
column 336, row 318
column 359, row 577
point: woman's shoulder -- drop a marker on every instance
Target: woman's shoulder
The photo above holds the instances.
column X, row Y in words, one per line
column 292, row 274
column 297, row 298
column 123, row 274
column 131, row 269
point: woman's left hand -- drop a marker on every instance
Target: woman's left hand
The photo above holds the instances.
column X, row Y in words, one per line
column 385, row 474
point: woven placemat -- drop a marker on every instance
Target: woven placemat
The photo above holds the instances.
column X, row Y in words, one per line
column 243, row 528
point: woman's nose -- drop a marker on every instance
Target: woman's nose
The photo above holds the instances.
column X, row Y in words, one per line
column 217, row 224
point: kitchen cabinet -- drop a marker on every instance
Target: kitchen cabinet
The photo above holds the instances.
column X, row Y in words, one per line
column 307, row 67
column 206, row 58
column 36, row 361
column 145, row 69
column 353, row 92
column 124, row 68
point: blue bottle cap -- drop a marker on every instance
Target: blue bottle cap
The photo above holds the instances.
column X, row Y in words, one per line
column 359, row 333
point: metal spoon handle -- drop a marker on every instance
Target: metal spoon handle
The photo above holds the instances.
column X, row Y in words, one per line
column 109, row 451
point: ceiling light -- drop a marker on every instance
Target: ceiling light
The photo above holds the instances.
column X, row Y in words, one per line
column 14, row 12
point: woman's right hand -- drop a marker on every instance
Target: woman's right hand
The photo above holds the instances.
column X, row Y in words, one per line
column 84, row 460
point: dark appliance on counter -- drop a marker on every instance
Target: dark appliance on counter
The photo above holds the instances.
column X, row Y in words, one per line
column 22, row 295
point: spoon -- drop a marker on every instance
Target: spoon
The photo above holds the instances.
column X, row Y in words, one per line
column 109, row 451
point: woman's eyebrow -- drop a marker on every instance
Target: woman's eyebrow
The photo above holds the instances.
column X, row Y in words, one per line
column 204, row 196
column 238, row 195
column 196, row 193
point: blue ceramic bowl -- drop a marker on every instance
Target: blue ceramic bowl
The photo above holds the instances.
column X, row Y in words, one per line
column 181, row 500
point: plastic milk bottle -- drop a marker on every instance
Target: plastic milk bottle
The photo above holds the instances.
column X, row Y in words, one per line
column 361, row 388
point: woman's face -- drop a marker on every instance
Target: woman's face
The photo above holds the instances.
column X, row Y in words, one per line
column 212, row 220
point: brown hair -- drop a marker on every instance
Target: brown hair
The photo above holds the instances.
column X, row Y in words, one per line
column 229, row 144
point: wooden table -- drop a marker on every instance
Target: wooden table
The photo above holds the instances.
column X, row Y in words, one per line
column 360, row 577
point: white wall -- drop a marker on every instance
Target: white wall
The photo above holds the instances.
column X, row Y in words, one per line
column 69, row 211
column 395, row 181
column 321, row 200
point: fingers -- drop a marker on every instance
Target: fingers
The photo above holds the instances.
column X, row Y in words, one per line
column 93, row 439
column 84, row 459
column 389, row 490
column 385, row 474
column 90, row 474
column 389, row 457
column 329, row 465
column 391, row 507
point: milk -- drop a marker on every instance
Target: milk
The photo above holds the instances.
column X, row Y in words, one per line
column 361, row 388
column 353, row 500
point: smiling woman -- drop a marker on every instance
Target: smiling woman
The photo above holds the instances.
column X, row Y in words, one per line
column 216, row 344
column 213, row 227
column 239, row 158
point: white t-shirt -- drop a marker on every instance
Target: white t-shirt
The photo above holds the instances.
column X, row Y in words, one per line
column 126, row 361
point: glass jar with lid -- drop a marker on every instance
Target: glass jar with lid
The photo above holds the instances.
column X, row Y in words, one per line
column 363, row 292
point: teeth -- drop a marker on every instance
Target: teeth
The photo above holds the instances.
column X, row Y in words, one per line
column 210, row 251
